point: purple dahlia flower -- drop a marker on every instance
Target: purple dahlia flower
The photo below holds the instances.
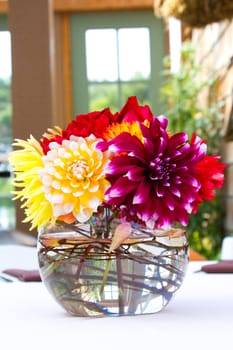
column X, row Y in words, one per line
column 154, row 178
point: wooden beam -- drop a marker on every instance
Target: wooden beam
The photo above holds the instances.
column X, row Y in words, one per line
column 32, row 71
column 92, row 5
column 67, row 67
column 3, row 6
column 101, row 5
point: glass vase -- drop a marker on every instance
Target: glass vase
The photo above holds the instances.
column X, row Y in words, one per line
column 86, row 278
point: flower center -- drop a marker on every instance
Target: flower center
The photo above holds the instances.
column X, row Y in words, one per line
column 79, row 169
column 159, row 169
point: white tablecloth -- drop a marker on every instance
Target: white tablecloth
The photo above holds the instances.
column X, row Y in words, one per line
column 199, row 317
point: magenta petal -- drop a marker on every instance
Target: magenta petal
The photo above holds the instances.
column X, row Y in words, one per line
column 159, row 190
column 127, row 143
column 163, row 121
column 136, row 174
column 120, row 165
column 191, row 180
column 171, row 205
column 175, row 191
column 178, row 140
column 142, row 194
column 183, row 217
column 122, row 187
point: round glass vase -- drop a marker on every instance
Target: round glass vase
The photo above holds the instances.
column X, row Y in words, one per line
column 141, row 276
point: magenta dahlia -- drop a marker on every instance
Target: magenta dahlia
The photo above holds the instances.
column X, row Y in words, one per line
column 154, row 177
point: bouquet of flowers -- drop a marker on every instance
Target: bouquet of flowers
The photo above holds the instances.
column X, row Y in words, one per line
column 127, row 161
column 117, row 182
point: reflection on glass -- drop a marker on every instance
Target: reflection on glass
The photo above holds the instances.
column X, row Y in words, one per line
column 134, row 53
column 101, row 55
column 103, row 95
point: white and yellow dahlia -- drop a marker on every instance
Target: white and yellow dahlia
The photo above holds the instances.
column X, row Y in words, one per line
column 68, row 183
column 73, row 177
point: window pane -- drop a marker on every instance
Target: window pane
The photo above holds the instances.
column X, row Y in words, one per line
column 134, row 53
column 102, row 96
column 101, row 55
column 7, row 208
column 141, row 90
column 5, row 55
column 5, row 91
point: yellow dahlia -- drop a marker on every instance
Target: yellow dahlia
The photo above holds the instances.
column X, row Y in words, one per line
column 51, row 132
column 73, row 177
column 26, row 163
column 131, row 127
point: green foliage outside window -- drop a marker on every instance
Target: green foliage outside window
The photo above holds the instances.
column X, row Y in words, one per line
column 191, row 104
column 116, row 94
column 5, row 113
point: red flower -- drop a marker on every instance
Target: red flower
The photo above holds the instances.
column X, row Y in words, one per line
column 84, row 125
column 132, row 111
column 45, row 142
column 98, row 122
column 91, row 123
column 209, row 173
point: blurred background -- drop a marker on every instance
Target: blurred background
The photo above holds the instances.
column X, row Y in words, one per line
column 61, row 58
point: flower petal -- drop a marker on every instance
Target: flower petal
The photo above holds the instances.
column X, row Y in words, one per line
column 122, row 232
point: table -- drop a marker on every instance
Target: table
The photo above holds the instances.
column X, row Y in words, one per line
column 199, row 317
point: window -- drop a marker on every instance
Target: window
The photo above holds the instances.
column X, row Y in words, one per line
column 115, row 55
column 7, row 209
column 119, row 69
